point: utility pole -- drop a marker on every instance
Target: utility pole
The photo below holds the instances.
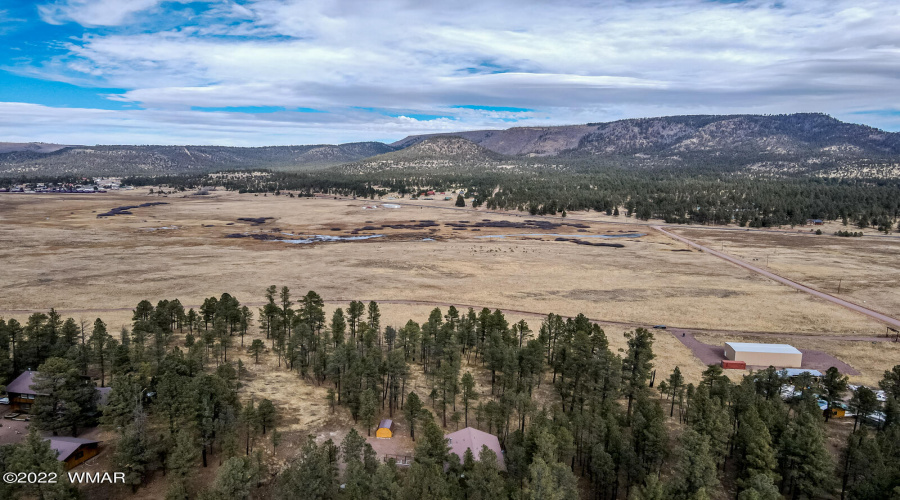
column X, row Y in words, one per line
column 839, row 284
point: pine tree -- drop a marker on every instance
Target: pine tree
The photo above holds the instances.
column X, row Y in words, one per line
column 695, row 470
column 652, row 489
column 754, row 450
column 102, row 344
column 675, row 383
column 865, row 473
column 425, row 480
column 367, row 410
column 637, row 364
column 834, row 385
column 468, row 393
column 760, row 487
column 65, row 400
column 35, row 455
column 125, row 395
column 181, row 461
column 483, row 480
column 432, row 448
column 806, row 462
column 649, row 437
column 267, row 414
column 385, row 483
column 134, row 450
column 256, row 348
column 235, row 478
column 313, row 474
column 412, row 411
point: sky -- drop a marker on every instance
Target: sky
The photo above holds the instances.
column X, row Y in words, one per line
column 279, row 72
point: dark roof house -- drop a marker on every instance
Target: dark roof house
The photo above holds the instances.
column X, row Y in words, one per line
column 21, row 395
column 73, row 450
column 22, row 383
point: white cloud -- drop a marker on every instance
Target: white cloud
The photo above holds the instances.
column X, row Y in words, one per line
column 93, row 12
column 572, row 61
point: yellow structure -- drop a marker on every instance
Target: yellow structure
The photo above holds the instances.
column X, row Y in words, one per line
column 385, row 429
column 837, row 412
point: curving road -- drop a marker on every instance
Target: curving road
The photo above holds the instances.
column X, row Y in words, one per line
column 803, row 288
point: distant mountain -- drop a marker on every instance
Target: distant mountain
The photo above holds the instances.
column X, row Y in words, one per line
column 34, row 147
column 162, row 160
column 768, row 144
column 759, row 145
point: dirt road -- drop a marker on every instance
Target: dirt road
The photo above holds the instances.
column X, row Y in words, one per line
column 768, row 274
column 515, row 312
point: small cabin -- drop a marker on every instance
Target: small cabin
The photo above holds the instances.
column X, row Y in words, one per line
column 73, row 451
column 385, row 429
column 21, row 395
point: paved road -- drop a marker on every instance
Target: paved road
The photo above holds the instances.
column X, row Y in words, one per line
column 768, row 274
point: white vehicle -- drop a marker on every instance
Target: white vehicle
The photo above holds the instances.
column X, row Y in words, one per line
column 876, row 418
column 4, row 401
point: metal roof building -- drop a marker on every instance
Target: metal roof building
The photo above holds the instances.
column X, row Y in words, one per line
column 73, row 450
column 385, row 429
column 778, row 355
column 474, row 439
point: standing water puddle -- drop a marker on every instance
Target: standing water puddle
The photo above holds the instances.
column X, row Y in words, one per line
column 626, row 235
column 319, row 237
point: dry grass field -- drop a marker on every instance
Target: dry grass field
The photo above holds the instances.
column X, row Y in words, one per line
column 58, row 253
column 865, row 268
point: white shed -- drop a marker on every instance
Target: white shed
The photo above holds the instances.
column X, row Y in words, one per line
column 778, row 355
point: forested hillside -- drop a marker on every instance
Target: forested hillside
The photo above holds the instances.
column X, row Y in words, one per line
column 163, row 160
column 755, row 146
column 767, row 145
column 575, row 418
column 434, row 155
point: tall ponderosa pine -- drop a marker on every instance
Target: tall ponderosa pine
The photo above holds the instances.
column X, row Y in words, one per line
column 695, row 470
column 637, row 364
column 65, row 400
column 34, row 454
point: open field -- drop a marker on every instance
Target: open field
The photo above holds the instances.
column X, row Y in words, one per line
column 865, row 269
column 60, row 254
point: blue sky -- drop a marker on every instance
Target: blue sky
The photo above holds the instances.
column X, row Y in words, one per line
column 264, row 72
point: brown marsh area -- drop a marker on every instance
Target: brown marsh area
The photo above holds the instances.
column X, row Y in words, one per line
column 58, row 253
